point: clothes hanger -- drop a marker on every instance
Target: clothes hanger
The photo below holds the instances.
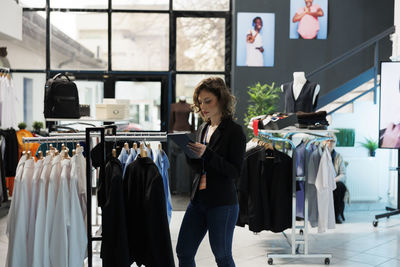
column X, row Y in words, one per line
column 143, row 152
column 126, row 147
column 40, row 155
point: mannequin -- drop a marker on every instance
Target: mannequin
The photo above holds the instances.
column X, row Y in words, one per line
column 179, row 117
column 299, row 82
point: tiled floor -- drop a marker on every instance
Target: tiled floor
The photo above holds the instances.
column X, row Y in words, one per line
column 356, row 243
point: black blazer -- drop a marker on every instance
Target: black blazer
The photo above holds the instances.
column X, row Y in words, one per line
column 149, row 240
column 223, row 161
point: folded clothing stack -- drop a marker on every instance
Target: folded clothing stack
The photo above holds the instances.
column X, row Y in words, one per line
column 312, row 120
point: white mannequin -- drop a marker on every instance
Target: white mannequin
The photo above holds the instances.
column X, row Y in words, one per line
column 299, row 79
column 182, row 98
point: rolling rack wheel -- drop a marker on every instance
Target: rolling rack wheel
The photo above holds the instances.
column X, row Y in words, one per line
column 270, row 261
column 327, row 261
column 375, row 223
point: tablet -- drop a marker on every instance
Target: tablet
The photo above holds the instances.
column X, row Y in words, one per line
column 182, row 140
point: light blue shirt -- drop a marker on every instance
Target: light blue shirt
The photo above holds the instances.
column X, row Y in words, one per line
column 162, row 164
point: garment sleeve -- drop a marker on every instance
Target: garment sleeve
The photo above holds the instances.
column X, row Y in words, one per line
column 231, row 165
column 341, row 175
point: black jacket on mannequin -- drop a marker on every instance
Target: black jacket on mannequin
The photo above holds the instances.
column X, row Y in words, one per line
column 146, row 216
column 223, row 159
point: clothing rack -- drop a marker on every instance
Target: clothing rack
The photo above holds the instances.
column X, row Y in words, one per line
column 96, row 131
column 320, row 135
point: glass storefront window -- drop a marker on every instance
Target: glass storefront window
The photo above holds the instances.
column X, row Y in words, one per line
column 144, row 47
column 145, row 104
column 141, row 4
column 80, row 44
column 29, row 92
column 204, row 5
column 185, row 84
column 200, row 44
column 30, row 52
column 33, row 3
column 90, row 93
column 84, row 4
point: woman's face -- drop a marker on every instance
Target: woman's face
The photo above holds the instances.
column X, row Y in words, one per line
column 209, row 104
column 308, row 2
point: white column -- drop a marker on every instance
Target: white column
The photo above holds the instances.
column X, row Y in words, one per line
column 395, row 37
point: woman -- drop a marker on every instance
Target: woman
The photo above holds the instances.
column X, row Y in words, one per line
column 254, row 45
column 214, row 205
column 308, row 20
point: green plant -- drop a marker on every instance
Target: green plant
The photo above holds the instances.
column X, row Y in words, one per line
column 371, row 145
column 37, row 125
column 264, row 99
column 22, row 125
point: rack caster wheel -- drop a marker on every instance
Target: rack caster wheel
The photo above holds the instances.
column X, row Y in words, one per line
column 375, row 223
column 270, row 261
column 327, row 261
column 301, row 232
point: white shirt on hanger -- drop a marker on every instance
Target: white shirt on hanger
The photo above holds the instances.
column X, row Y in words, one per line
column 12, row 214
column 9, row 102
column 40, row 226
column 51, row 203
column 61, row 222
column 77, row 236
column 33, row 208
column 78, row 171
column 325, row 184
column 18, row 255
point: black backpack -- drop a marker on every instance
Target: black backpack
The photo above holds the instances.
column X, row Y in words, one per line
column 61, row 99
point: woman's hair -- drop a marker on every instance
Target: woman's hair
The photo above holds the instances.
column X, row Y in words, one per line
column 217, row 87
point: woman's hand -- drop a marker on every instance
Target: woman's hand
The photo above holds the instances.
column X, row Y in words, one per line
column 197, row 148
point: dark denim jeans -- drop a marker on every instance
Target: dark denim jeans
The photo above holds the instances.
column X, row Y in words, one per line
column 220, row 223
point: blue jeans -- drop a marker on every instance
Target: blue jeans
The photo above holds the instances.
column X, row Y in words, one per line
column 220, row 223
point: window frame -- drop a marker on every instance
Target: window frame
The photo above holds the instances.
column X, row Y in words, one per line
column 167, row 78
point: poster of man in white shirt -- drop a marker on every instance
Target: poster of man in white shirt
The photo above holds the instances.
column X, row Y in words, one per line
column 255, row 39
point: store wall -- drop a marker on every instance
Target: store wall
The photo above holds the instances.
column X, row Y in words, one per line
column 350, row 23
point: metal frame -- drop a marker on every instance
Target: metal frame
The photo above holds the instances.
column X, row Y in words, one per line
column 73, row 137
column 320, row 135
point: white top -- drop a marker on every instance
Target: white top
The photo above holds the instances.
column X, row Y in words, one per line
column 18, row 252
column 9, row 102
column 254, row 57
column 40, row 227
column 325, row 184
column 77, row 236
column 61, row 223
column 54, row 182
column 33, row 208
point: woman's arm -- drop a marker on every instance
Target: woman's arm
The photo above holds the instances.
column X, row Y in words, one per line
column 318, row 13
column 341, row 175
column 298, row 16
